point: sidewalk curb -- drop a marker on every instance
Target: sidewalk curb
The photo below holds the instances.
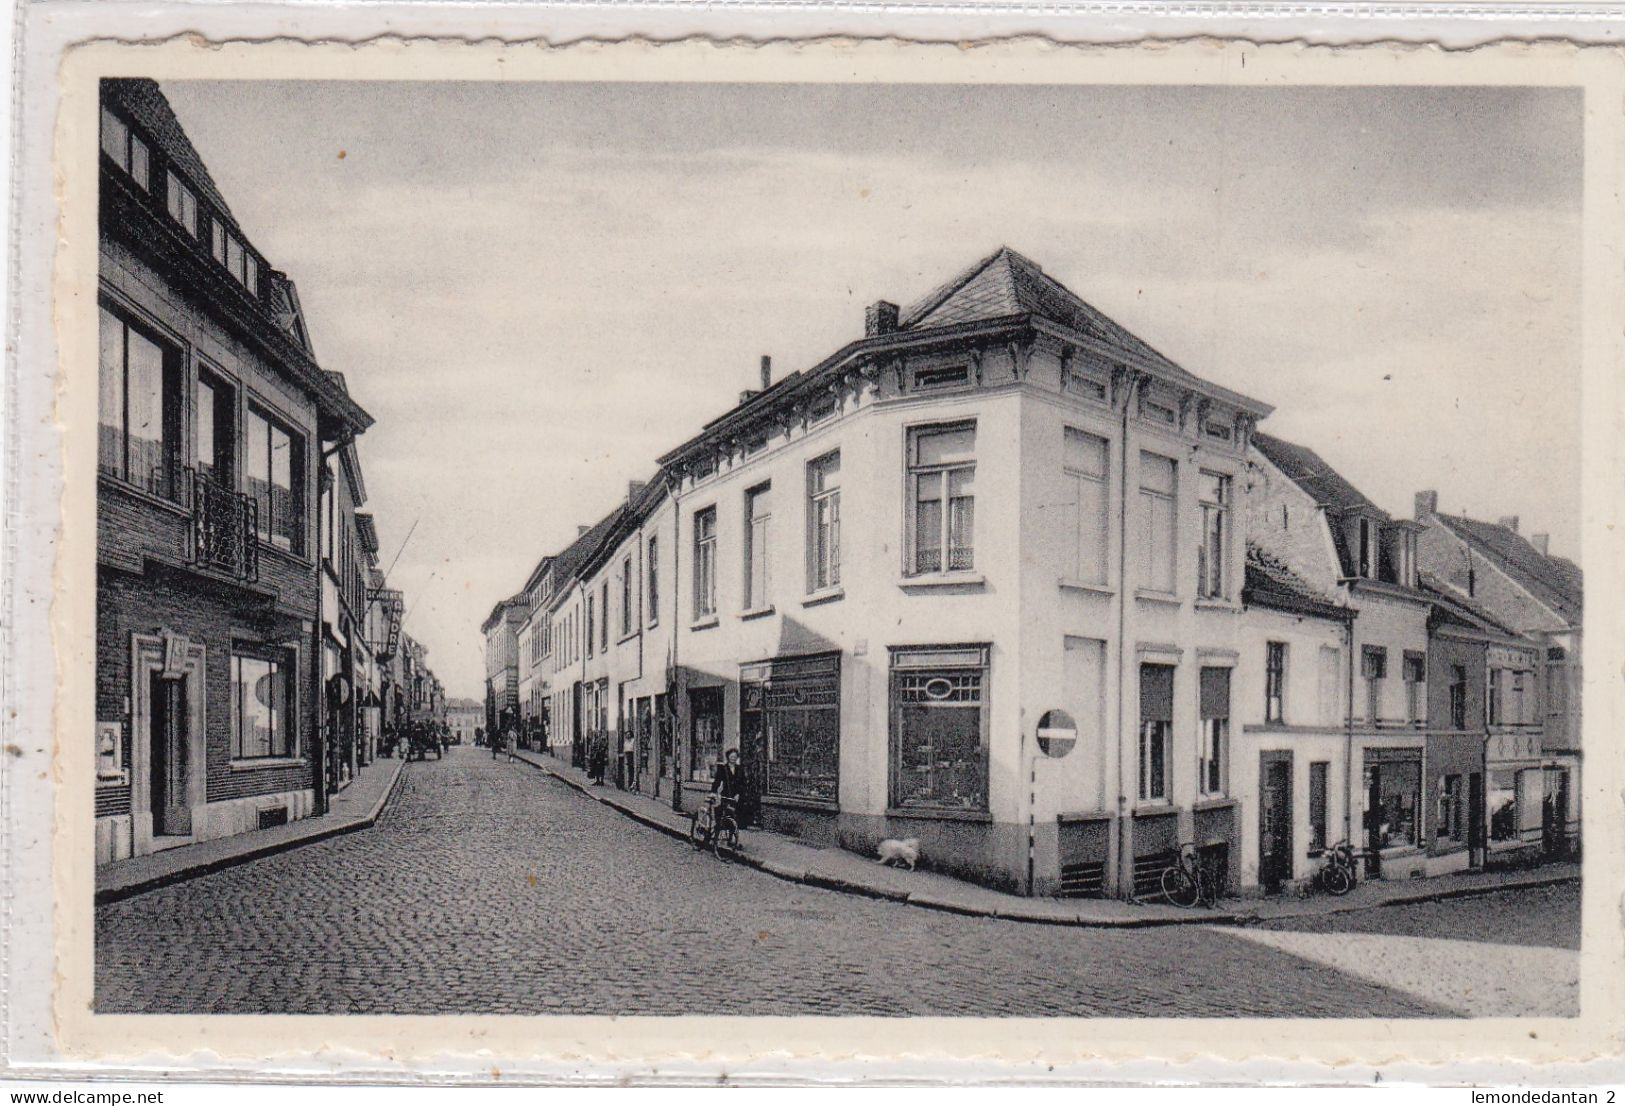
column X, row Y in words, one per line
column 908, row 898
column 220, row 864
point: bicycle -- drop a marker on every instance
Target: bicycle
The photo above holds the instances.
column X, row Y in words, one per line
column 1185, row 883
column 714, row 826
column 1336, row 875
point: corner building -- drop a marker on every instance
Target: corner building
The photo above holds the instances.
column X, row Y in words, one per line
column 974, row 579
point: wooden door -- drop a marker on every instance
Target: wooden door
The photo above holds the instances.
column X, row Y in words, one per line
column 1274, row 820
column 169, row 727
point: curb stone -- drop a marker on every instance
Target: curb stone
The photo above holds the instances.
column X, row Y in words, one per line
column 219, row 864
column 929, row 901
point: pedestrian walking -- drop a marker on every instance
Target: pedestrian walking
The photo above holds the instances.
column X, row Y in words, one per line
column 511, row 739
column 598, row 761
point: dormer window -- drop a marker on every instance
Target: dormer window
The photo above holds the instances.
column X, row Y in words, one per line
column 127, row 151
column 1368, row 549
column 182, row 202
column 228, row 249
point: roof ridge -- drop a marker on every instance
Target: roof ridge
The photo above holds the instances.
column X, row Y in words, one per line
column 942, row 293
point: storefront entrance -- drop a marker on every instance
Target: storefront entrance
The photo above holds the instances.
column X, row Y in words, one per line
column 1274, row 820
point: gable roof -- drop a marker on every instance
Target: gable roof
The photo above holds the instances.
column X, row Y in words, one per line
column 1270, row 583
column 1452, row 607
column 1558, row 583
column 1005, row 283
column 1322, row 483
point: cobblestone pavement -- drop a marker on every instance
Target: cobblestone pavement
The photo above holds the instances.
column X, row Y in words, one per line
column 489, row 888
column 1537, row 916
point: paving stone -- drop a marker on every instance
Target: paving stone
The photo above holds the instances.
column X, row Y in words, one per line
column 490, row 887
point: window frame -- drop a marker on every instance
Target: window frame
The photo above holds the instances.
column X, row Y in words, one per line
column 824, row 522
column 705, row 562
column 757, row 547
column 282, row 660
column 126, row 159
column 1156, row 740
column 1212, row 564
column 170, row 400
column 298, row 541
column 1077, row 477
column 932, row 663
column 1416, row 698
column 1275, row 662
column 941, row 474
column 1213, row 739
column 1373, row 682
column 1154, row 578
column 651, row 573
column 629, row 593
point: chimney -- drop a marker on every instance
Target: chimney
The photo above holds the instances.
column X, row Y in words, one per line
column 879, row 318
column 633, row 487
column 1511, row 523
column 767, row 372
column 1540, row 542
column 1427, row 503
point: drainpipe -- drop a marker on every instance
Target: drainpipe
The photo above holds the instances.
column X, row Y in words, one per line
column 1348, row 739
column 319, row 655
column 1125, row 827
column 676, row 637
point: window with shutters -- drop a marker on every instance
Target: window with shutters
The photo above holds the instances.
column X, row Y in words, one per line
column 1083, row 508
column 1156, row 730
column 1158, row 500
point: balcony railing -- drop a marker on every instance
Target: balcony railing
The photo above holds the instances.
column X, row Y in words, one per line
column 224, row 528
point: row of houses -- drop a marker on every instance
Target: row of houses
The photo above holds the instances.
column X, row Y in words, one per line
column 999, row 576
column 249, row 653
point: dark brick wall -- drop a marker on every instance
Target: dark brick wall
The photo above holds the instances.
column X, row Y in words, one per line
column 128, row 604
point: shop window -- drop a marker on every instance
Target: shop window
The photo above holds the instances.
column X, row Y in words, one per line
column 127, row 150
column 138, row 421
column 1319, row 772
column 1275, row 681
column 1157, row 510
column 705, row 736
column 1215, row 711
column 1211, row 553
column 939, row 724
column 1084, row 517
column 1451, row 825
column 1515, row 805
column 1156, row 730
column 942, row 493
column 261, row 706
column 824, row 522
column 792, row 708
column 1393, row 796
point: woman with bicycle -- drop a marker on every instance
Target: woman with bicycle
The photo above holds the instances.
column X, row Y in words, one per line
column 719, row 818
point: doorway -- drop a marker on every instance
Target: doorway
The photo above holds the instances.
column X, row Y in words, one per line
column 1554, row 814
column 1274, row 820
column 169, row 729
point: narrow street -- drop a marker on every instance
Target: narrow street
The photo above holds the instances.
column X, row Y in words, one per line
column 488, row 887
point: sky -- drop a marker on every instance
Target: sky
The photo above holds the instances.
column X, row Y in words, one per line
column 539, row 289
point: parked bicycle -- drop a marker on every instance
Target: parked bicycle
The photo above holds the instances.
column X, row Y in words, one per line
column 1185, row 882
column 715, row 825
column 1337, row 871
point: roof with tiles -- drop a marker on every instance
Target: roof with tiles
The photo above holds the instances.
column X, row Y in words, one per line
column 1005, row 283
column 1455, row 608
column 1304, row 467
column 145, row 102
column 1270, row 583
column 1554, row 581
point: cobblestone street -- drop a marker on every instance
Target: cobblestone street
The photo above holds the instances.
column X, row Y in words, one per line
column 488, row 887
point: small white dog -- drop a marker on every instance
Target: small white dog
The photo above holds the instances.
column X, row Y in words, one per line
column 899, row 853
